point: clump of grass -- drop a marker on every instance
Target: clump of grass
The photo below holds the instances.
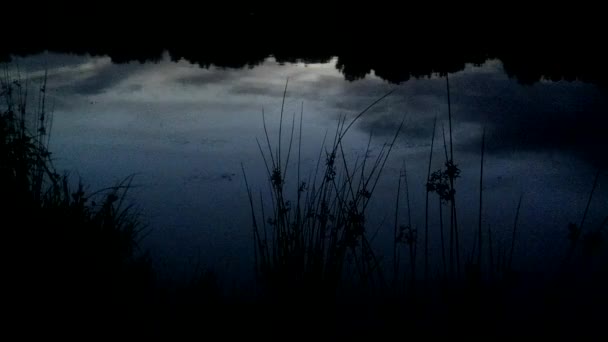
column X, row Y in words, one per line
column 310, row 246
column 68, row 248
column 306, row 247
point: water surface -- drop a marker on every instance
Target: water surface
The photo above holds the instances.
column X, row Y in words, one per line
column 184, row 130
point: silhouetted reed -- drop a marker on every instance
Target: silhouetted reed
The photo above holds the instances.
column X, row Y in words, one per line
column 68, row 248
column 308, row 245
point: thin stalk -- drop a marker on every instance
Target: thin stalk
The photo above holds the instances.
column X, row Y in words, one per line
column 281, row 122
column 445, row 145
column 407, row 195
column 426, row 208
column 447, row 82
column 580, row 227
column 388, row 152
column 483, row 142
column 293, row 126
column 365, row 111
column 414, row 247
column 268, row 139
column 514, row 232
column 367, row 150
column 441, row 237
column 300, row 187
column 597, row 177
column 265, row 244
column 453, row 218
column 490, row 251
column 395, row 238
column 256, row 238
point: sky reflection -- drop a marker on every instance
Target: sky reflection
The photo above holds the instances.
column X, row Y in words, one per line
column 185, row 131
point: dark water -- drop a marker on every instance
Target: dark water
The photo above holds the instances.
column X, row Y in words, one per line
column 185, row 128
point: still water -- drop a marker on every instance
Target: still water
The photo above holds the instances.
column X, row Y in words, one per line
column 185, row 130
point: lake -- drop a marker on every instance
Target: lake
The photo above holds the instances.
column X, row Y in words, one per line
column 185, row 128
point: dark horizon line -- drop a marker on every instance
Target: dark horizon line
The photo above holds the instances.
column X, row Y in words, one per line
column 394, row 63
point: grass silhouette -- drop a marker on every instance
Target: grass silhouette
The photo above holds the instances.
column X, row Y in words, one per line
column 72, row 255
column 302, row 250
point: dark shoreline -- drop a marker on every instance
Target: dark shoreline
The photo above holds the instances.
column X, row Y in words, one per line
column 397, row 43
